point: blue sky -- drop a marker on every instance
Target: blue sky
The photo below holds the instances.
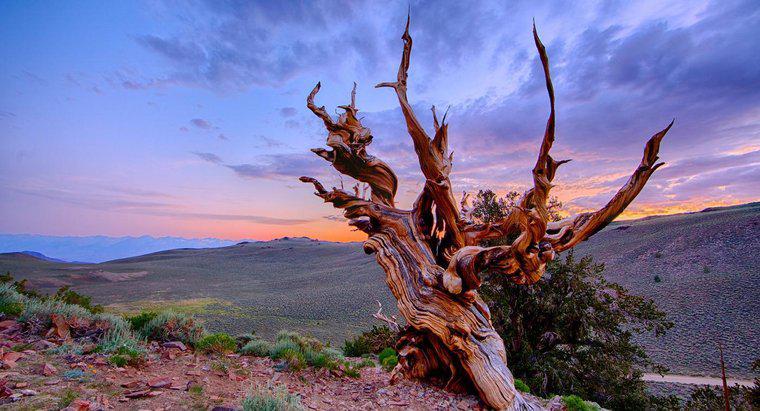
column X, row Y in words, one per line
column 189, row 119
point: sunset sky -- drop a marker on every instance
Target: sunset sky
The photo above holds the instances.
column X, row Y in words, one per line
column 189, row 119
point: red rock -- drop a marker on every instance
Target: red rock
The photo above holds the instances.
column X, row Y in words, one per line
column 137, row 393
column 8, row 324
column 9, row 359
column 159, row 382
column 132, row 384
column 78, row 405
column 48, row 370
column 194, row 372
column 178, row 386
column 175, row 344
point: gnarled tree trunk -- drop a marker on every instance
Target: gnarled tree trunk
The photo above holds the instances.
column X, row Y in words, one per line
column 430, row 254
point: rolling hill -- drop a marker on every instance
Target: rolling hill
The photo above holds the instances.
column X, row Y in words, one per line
column 707, row 263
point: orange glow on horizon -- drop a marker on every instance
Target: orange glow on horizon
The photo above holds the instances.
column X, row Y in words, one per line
column 340, row 231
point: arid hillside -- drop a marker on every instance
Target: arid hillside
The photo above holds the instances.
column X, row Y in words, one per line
column 706, row 265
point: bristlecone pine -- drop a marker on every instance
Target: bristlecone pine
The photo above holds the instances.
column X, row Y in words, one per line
column 431, row 254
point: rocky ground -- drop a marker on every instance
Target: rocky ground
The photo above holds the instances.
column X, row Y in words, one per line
column 36, row 374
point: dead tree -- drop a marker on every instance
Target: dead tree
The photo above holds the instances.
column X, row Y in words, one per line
column 431, row 254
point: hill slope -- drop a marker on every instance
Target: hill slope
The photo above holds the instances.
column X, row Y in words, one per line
column 708, row 263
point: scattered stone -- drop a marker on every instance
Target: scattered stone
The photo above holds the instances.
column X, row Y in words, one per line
column 194, row 372
column 43, row 345
column 6, row 324
column 222, row 408
column 28, row 393
column 9, row 359
column 48, row 370
column 21, row 385
column 132, row 384
column 177, row 386
column 159, row 383
column 137, row 393
column 54, row 381
column 79, row 405
column 175, row 344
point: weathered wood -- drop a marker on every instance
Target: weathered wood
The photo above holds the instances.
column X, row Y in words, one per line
column 431, row 254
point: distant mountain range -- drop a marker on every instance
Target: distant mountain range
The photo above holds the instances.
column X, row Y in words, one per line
column 97, row 249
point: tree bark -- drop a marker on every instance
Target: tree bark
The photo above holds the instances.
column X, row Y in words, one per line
column 430, row 254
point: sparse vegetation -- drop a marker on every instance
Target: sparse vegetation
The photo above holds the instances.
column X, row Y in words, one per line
column 126, row 355
column 66, row 295
column 370, row 342
column 271, row 398
column 657, row 279
column 257, row 348
column 388, row 358
column 138, row 321
column 576, row 403
column 521, row 385
column 67, row 396
column 111, row 332
column 297, row 352
column 219, row 343
column 171, row 326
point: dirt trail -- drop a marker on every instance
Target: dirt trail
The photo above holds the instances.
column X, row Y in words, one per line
column 695, row 380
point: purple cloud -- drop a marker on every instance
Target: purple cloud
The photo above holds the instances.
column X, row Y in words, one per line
column 202, row 124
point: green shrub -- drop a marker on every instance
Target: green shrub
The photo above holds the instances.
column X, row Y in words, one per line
column 326, row 358
column 356, row 347
column 302, row 341
column 244, row 339
column 120, row 339
column 388, row 358
column 219, row 343
column 66, row 295
column 118, row 360
column 333, row 353
column 11, row 301
column 576, row 403
column 320, row 360
column 657, row 279
column 295, row 358
column 171, row 326
column 283, row 345
column 521, row 386
column 370, row 342
column 257, row 348
column 353, row 369
column 126, row 355
column 136, row 322
column 20, row 286
column 271, row 399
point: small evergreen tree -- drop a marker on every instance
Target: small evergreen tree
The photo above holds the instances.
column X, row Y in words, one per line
column 570, row 333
